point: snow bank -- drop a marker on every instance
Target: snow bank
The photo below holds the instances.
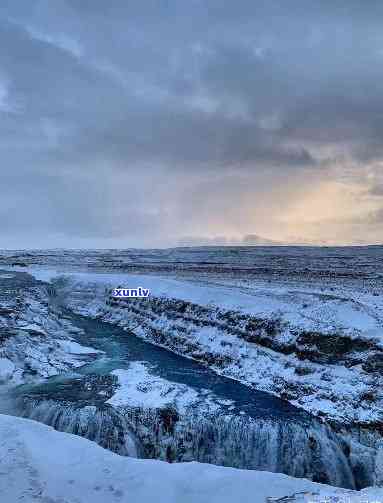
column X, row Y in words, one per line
column 137, row 387
column 39, row 464
column 74, row 348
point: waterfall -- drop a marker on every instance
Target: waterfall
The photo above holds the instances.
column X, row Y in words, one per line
column 102, row 425
column 311, row 451
column 301, row 450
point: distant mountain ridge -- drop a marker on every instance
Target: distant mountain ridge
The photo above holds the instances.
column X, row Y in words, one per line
column 247, row 240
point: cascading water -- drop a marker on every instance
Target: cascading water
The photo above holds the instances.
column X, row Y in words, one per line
column 101, row 425
column 310, row 451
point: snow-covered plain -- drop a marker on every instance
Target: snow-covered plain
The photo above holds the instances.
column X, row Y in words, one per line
column 38, row 464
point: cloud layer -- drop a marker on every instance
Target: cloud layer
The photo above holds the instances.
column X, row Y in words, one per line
column 129, row 123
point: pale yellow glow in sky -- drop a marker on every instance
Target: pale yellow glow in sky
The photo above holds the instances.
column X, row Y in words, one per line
column 332, row 207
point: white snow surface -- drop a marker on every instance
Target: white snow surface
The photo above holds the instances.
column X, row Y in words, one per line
column 74, row 348
column 41, row 465
column 139, row 388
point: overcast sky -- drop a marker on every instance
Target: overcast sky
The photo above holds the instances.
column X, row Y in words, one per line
column 139, row 123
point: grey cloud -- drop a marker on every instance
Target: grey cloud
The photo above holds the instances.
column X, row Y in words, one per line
column 134, row 126
column 105, row 119
column 94, row 90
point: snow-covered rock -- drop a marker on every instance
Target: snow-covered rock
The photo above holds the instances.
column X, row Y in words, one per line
column 35, row 338
column 137, row 387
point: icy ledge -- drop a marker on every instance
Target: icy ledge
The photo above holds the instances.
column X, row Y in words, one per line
column 42, row 465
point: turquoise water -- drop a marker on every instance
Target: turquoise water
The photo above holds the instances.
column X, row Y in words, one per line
column 122, row 348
